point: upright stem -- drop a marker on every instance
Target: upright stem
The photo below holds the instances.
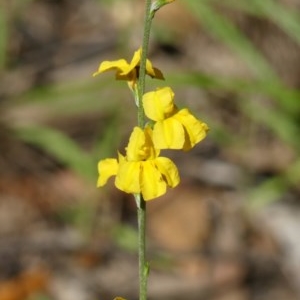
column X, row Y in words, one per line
column 142, row 71
column 143, row 266
column 141, row 204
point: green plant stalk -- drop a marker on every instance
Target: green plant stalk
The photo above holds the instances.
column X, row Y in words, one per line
column 143, row 265
column 141, row 204
column 142, row 71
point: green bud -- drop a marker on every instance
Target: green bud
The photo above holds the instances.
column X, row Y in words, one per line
column 156, row 5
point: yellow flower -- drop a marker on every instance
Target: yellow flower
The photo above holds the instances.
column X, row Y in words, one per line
column 173, row 128
column 142, row 170
column 129, row 71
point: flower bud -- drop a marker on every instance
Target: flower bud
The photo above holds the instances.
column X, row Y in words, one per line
column 156, row 5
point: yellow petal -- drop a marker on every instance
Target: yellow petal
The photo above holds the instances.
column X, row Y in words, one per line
column 136, row 146
column 128, row 177
column 168, row 134
column 106, row 168
column 135, row 61
column 121, row 65
column 169, row 170
column 159, row 104
column 195, row 129
column 152, row 151
column 153, row 72
column 152, row 183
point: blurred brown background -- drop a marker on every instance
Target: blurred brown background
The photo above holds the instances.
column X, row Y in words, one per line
column 229, row 231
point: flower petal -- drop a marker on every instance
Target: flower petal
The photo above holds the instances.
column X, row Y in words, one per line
column 106, row 168
column 153, row 72
column 152, row 183
column 168, row 134
column 135, row 61
column 128, row 177
column 169, row 170
column 121, row 65
column 195, row 129
column 159, row 104
column 136, row 147
column 151, row 151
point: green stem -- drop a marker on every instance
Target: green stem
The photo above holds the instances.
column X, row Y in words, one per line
column 143, row 265
column 141, row 204
column 142, row 71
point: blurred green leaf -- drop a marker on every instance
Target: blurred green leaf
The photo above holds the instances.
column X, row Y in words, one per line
column 285, row 127
column 287, row 99
column 272, row 189
column 283, row 16
column 224, row 30
column 82, row 215
column 109, row 142
column 266, row 193
column 126, row 237
column 62, row 147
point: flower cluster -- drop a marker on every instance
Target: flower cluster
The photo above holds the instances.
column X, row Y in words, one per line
column 142, row 170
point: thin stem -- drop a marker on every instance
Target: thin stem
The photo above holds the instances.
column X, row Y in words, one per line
column 142, row 71
column 141, row 204
column 143, row 266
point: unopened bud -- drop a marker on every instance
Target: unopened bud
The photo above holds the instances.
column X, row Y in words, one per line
column 156, row 5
